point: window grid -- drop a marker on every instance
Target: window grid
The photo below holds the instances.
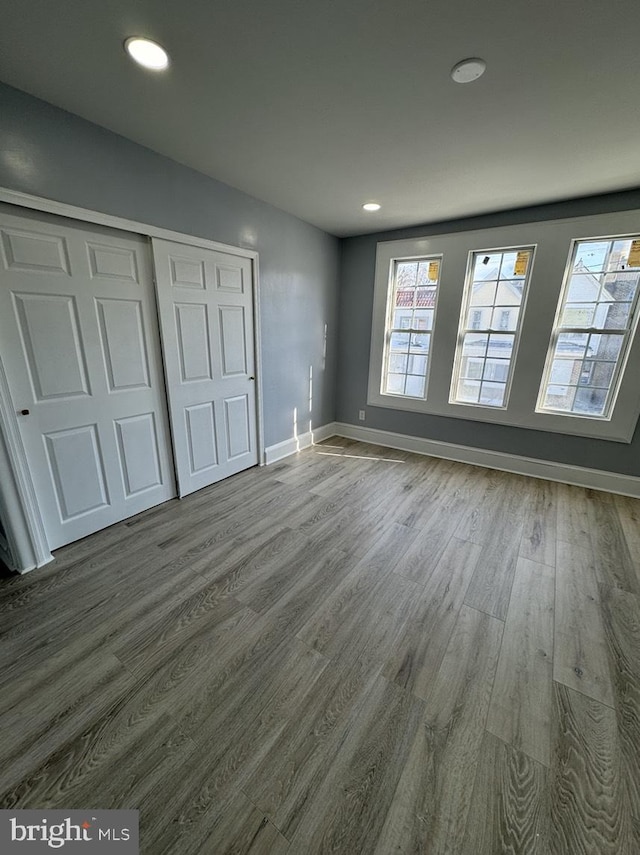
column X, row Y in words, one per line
column 585, row 361
column 490, row 327
column 411, row 312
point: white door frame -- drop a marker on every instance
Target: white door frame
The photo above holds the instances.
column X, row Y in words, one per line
column 36, row 552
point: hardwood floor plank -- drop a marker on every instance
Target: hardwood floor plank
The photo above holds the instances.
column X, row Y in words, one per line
column 580, row 653
column 510, row 810
column 241, row 829
column 573, row 515
column 429, row 810
column 589, row 807
column 91, row 768
column 490, row 587
column 521, row 703
column 621, row 613
column 285, row 784
column 418, row 651
column 349, row 808
column 33, row 729
column 612, row 560
column 367, row 590
column 540, row 519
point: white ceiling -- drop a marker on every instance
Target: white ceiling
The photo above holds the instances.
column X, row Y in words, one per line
column 317, row 106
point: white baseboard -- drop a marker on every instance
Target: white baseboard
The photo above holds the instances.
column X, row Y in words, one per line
column 291, row 446
column 596, row 479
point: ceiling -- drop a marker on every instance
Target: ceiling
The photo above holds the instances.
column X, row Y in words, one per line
column 318, row 106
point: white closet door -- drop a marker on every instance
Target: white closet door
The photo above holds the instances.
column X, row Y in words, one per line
column 206, row 315
column 79, row 338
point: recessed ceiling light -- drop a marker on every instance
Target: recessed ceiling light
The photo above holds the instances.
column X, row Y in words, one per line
column 371, row 206
column 147, row 53
column 468, row 70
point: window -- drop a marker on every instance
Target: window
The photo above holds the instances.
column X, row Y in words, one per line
column 490, row 322
column 410, row 316
column 537, row 331
column 592, row 334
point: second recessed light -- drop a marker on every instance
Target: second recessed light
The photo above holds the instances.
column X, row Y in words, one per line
column 371, row 206
column 147, row 53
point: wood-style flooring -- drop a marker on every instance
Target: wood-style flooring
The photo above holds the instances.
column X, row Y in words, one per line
column 355, row 650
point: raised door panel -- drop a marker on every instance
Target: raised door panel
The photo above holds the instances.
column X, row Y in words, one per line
column 233, row 345
column 201, row 436
column 34, row 252
column 229, row 278
column 138, row 451
column 49, row 329
column 77, row 470
column 238, row 429
column 194, row 349
column 187, row 273
column 123, row 344
column 112, row 262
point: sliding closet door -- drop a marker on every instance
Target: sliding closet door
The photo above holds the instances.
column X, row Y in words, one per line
column 206, row 313
column 80, row 342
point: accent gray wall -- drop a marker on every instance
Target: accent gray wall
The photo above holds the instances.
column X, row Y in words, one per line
column 356, row 304
column 48, row 152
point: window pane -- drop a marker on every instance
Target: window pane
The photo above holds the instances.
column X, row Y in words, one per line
column 620, row 287
column 509, row 292
column 563, row 371
column 395, row 383
column 486, row 266
column 572, row 344
column 416, row 364
column 468, row 391
column 414, row 386
column 600, row 373
column 494, row 295
column 590, row 401
column 420, row 342
column 423, row 319
column 412, row 297
column 399, row 341
column 617, row 316
column 483, row 293
column 500, row 345
column 504, row 319
column 492, row 394
column 599, row 296
column 515, row 264
column 578, row 314
column 397, row 363
column 407, row 272
column 474, row 345
column 591, row 255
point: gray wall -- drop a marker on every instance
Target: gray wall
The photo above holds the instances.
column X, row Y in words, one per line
column 48, row 152
column 356, row 303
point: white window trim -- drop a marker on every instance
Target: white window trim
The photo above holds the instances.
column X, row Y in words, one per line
column 553, row 239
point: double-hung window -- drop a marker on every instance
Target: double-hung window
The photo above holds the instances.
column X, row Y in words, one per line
column 410, row 316
column 595, row 321
column 490, row 321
